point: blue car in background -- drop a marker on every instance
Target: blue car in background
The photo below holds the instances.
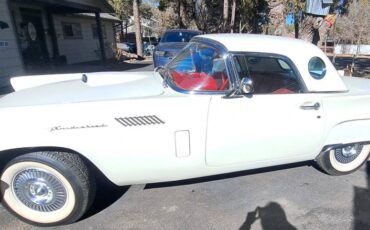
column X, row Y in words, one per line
column 171, row 43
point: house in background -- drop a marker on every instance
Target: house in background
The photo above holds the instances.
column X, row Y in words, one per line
column 149, row 29
column 41, row 34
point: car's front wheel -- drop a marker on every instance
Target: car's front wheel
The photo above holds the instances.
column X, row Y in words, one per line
column 47, row 188
column 343, row 159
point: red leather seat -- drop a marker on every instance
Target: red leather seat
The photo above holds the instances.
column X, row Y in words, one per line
column 194, row 81
column 222, row 80
column 283, row 91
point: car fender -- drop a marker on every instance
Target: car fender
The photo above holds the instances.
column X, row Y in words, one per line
column 351, row 131
column 96, row 131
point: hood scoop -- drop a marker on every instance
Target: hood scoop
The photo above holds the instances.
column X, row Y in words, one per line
column 84, row 78
column 113, row 78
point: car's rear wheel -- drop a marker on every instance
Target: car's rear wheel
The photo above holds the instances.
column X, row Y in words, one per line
column 47, row 188
column 343, row 159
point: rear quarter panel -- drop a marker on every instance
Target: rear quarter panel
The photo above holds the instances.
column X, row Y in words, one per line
column 347, row 118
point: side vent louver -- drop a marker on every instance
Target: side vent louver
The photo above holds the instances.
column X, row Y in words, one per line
column 139, row 121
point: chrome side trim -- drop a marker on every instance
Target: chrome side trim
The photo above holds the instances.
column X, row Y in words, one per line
column 139, row 121
column 328, row 148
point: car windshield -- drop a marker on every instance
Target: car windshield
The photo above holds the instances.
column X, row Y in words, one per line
column 199, row 67
column 179, row 36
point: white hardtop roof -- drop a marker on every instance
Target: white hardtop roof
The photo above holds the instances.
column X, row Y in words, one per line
column 258, row 43
column 298, row 51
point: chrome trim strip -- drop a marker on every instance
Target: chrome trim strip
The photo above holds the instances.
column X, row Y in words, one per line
column 140, row 121
column 343, row 91
column 328, row 148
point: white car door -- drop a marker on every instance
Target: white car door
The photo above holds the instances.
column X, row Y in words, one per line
column 263, row 128
column 276, row 123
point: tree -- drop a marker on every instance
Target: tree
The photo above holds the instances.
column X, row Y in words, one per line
column 166, row 19
column 123, row 10
column 354, row 27
column 251, row 16
column 315, row 26
column 226, row 14
column 138, row 35
column 276, row 17
column 208, row 15
column 183, row 9
column 232, row 21
column 276, row 12
column 146, row 11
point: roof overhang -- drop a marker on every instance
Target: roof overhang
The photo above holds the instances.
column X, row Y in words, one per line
column 103, row 16
column 70, row 6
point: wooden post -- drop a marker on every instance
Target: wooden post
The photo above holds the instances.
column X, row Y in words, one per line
column 100, row 37
column 122, row 36
column 53, row 36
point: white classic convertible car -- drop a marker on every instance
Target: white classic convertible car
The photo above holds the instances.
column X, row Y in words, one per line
column 225, row 103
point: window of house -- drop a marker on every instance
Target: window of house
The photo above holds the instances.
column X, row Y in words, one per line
column 270, row 75
column 95, row 31
column 72, row 30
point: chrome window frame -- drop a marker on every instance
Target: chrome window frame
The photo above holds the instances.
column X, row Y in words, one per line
column 228, row 64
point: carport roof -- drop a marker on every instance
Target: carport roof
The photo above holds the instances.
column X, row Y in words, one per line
column 76, row 6
column 104, row 16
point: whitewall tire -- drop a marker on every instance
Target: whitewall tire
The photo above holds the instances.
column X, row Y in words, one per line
column 344, row 159
column 47, row 188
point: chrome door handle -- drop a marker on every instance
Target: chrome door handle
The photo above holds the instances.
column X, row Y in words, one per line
column 316, row 106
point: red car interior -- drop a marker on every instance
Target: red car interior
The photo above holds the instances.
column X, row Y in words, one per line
column 277, row 83
column 200, row 81
column 264, row 83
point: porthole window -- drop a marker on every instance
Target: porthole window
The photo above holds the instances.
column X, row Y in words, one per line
column 317, row 68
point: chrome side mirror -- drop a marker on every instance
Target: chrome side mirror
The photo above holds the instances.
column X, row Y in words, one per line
column 246, row 85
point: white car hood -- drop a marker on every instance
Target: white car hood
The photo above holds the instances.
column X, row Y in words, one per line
column 73, row 88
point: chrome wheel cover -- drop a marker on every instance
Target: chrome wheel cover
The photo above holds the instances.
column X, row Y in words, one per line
column 348, row 153
column 39, row 190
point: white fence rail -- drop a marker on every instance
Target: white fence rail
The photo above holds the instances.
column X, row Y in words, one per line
column 351, row 49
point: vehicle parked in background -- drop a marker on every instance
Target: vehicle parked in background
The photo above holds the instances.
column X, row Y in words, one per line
column 226, row 103
column 148, row 49
column 171, row 42
column 123, row 46
column 131, row 48
column 127, row 47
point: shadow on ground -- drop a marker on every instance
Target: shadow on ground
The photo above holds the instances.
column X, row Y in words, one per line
column 228, row 175
column 3, row 187
column 361, row 206
column 271, row 217
column 106, row 194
